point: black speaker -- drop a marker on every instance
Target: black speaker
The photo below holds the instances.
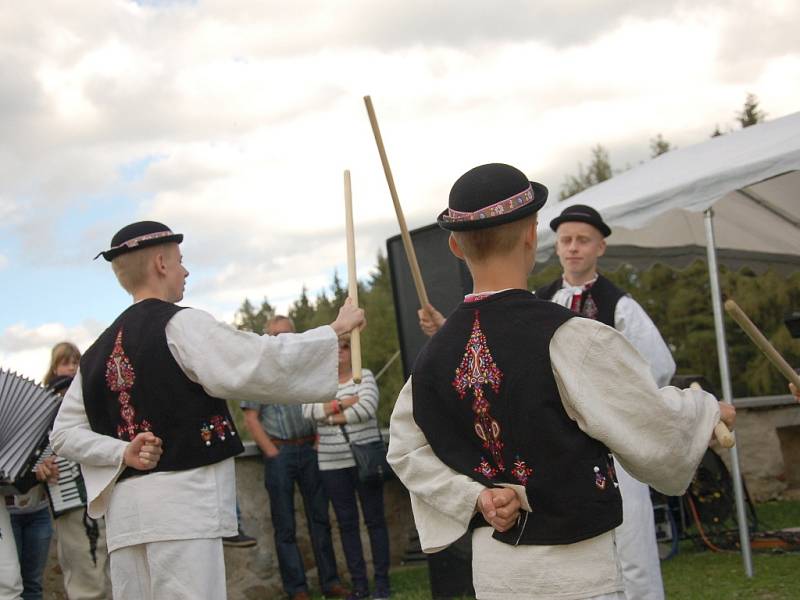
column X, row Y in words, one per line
column 446, row 280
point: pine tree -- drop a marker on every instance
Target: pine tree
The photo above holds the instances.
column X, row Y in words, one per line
column 599, row 169
column 249, row 319
column 750, row 113
column 659, row 146
column 301, row 312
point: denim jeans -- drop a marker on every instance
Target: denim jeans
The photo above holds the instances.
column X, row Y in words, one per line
column 343, row 487
column 298, row 464
column 32, row 532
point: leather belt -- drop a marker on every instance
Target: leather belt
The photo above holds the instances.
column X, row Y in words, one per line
column 301, row 441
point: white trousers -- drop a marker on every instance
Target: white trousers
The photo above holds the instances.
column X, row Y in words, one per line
column 10, row 577
column 83, row 579
column 636, row 541
column 172, row 570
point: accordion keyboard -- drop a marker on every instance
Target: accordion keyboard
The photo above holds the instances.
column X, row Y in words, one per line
column 68, row 492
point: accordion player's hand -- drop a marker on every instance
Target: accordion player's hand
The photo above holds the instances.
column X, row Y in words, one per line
column 143, row 451
column 47, row 470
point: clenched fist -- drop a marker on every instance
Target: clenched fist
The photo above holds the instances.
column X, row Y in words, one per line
column 143, row 452
column 500, row 507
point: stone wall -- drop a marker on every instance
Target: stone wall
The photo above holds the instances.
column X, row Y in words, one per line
column 768, row 442
column 253, row 572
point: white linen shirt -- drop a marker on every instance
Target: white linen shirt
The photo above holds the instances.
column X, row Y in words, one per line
column 227, row 363
column 658, row 435
column 631, row 320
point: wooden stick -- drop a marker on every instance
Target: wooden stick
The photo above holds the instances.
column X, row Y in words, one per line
column 352, row 280
column 416, row 274
column 762, row 342
column 721, row 431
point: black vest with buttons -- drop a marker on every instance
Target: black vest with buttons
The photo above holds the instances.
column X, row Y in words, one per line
column 132, row 383
column 486, row 398
column 603, row 291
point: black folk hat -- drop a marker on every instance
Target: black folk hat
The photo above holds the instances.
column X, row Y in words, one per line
column 140, row 235
column 491, row 195
column 582, row 214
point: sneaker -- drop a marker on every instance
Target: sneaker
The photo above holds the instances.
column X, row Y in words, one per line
column 337, row 590
column 240, row 540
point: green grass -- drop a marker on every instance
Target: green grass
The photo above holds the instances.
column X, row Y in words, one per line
column 700, row 574
column 693, row 574
column 778, row 515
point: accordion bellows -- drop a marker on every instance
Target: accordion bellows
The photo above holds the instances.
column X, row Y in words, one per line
column 27, row 411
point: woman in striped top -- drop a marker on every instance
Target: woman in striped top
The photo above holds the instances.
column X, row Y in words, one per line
column 354, row 408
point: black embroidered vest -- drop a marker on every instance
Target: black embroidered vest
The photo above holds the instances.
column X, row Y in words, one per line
column 485, row 396
column 605, row 295
column 132, row 383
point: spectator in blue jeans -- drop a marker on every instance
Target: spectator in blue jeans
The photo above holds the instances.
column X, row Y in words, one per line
column 287, row 441
column 354, row 408
column 33, row 528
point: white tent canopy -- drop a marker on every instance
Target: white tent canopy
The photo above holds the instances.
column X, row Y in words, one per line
column 750, row 177
column 735, row 198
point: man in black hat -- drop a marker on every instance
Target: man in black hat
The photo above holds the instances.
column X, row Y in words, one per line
column 580, row 242
column 147, row 419
column 515, row 394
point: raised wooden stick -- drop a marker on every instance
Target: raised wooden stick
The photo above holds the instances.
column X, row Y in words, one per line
column 352, row 280
column 721, row 431
column 416, row 274
column 763, row 344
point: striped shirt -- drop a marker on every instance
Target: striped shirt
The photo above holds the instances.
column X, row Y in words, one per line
column 362, row 424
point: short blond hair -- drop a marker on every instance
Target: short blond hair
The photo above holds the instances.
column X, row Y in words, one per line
column 271, row 322
column 480, row 244
column 131, row 267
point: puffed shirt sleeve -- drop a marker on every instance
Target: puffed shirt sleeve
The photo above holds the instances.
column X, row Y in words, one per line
column 635, row 324
column 443, row 500
column 100, row 456
column 291, row 368
column 659, row 435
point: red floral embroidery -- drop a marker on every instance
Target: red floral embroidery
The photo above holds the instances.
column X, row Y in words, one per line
column 521, row 471
column 599, row 479
column 120, row 377
column 216, row 425
column 206, row 434
column 486, row 469
column 477, row 369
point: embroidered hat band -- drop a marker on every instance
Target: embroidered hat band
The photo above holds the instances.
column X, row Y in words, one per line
column 133, row 242
column 140, row 235
column 508, row 205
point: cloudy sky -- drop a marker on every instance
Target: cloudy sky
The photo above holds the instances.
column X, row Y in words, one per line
column 232, row 121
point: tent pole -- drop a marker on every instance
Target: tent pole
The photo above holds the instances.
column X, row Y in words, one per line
column 727, row 393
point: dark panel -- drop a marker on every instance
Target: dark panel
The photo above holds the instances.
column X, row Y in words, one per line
column 446, row 280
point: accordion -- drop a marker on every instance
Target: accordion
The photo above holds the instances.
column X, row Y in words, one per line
column 68, row 491
column 27, row 411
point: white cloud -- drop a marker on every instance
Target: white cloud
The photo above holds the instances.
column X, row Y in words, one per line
column 254, row 109
column 26, row 350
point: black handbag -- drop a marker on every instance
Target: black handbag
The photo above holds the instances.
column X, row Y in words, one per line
column 370, row 459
